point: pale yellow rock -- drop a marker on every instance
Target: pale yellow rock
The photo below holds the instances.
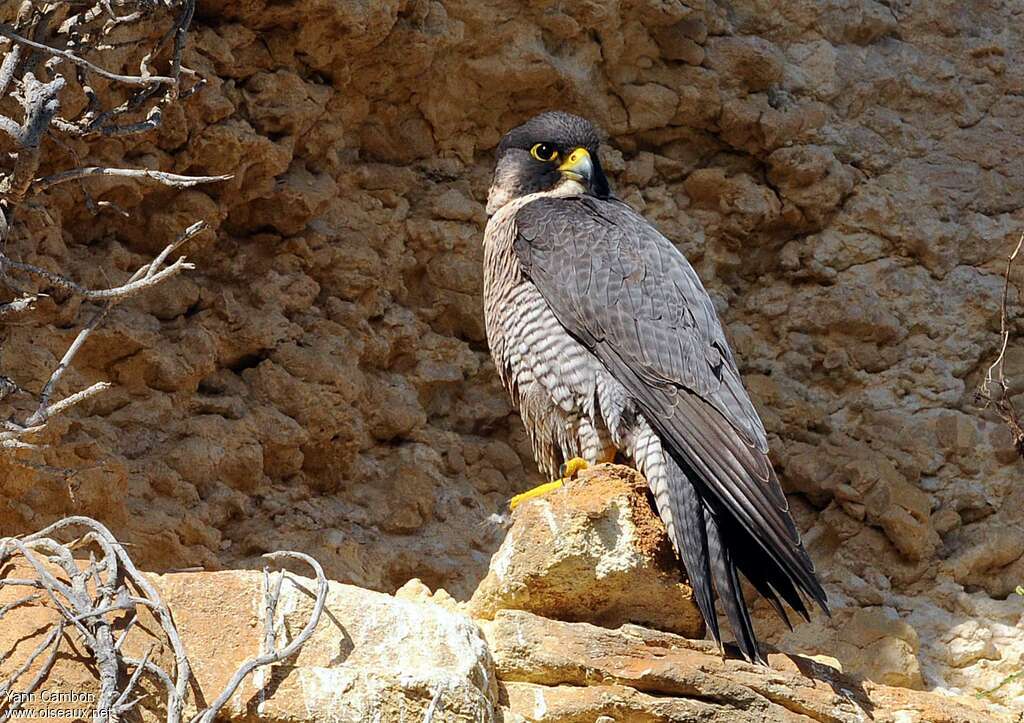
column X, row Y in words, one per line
column 592, row 551
column 604, row 703
column 880, row 645
column 569, row 672
column 824, row 660
column 375, row 657
column 372, row 658
column 416, row 591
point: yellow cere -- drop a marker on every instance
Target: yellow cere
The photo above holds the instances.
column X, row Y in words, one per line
column 575, row 157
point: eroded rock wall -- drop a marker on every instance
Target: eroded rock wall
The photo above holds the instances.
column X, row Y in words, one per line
column 846, row 176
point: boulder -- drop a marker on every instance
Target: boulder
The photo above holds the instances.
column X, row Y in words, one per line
column 417, row 655
column 372, row 656
column 592, row 551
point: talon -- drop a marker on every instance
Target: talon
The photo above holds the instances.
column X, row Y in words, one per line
column 535, row 492
column 573, row 467
column 569, row 470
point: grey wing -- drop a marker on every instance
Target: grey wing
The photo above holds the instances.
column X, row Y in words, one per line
column 625, row 292
column 627, row 284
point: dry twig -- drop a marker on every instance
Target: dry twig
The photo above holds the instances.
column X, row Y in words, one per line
column 173, row 180
column 46, row 51
column 147, row 276
column 87, row 595
column 994, row 390
column 7, row 32
column 273, row 654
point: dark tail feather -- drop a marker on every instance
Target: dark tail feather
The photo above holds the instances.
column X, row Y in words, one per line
column 766, row 576
column 769, row 594
column 714, row 549
column 692, row 542
column 730, row 592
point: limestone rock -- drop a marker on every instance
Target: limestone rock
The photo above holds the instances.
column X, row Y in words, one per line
column 750, row 60
column 880, row 645
column 373, row 656
column 568, row 672
column 415, row 657
column 592, row 551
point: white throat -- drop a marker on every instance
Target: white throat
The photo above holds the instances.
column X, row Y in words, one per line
column 500, row 194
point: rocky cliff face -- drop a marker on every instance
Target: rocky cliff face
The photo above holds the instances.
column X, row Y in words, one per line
column 506, row 657
column 845, row 175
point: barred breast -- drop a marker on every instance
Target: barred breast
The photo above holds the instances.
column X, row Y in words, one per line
column 552, row 379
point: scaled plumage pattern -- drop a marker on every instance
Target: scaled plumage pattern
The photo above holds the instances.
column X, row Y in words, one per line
column 608, row 343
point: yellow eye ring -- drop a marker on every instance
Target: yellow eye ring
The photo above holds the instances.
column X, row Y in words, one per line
column 544, row 152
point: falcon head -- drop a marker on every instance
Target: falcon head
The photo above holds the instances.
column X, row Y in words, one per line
column 552, row 152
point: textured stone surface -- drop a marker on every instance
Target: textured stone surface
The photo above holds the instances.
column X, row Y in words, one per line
column 846, row 176
column 592, row 551
column 414, row 657
column 373, row 657
column 638, row 674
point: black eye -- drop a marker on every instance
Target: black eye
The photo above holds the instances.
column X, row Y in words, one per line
column 544, row 152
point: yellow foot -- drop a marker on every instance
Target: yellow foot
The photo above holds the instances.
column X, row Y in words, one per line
column 569, row 471
column 537, row 491
column 573, row 467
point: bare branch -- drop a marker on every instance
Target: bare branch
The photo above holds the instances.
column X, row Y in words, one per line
column 19, row 305
column 51, row 411
column 147, row 276
column 8, row 32
column 273, row 655
column 46, row 49
column 122, row 704
column 428, row 717
column 118, row 292
column 4, row 609
column 7, row 68
column 86, row 607
column 51, row 641
column 104, row 586
column 169, row 179
column 994, row 389
column 40, row 105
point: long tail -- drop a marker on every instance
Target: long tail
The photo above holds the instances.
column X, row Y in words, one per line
column 714, row 548
column 709, row 562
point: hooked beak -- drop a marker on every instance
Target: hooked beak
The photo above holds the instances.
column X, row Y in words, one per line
column 579, row 166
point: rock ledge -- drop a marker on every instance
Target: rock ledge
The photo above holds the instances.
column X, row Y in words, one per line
column 592, row 550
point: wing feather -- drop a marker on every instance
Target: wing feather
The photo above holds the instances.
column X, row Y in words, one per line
column 624, row 291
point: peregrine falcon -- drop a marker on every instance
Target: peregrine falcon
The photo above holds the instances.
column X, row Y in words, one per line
column 609, row 345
